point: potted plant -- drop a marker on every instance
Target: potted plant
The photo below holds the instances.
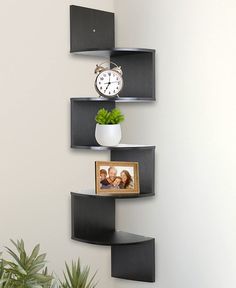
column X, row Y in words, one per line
column 76, row 277
column 24, row 270
column 108, row 130
column 29, row 271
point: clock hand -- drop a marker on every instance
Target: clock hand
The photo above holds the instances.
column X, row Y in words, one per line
column 108, row 83
column 112, row 82
column 107, row 86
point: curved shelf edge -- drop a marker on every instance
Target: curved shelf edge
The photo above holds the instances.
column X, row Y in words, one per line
column 117, row 196
column 121, row 99
column 111, row 51
column 112, row 238
column 118, row 147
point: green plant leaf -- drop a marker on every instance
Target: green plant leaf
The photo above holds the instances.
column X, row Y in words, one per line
column 26, row 270
column 105, row 117
column 75, row 277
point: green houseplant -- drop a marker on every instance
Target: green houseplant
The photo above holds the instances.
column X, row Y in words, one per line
column 108, row 130
column 25, row 270
column 76, row 277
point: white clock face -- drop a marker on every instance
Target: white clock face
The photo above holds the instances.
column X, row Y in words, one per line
column 109, row 83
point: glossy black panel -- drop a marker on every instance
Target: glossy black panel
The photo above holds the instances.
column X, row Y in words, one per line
column 91, row 216
column 146, row 160
column 83, row 121
column 91, row 29
column 138, row 74
column 134, row 262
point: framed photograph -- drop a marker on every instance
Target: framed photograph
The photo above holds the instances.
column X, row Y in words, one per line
column 117, row 177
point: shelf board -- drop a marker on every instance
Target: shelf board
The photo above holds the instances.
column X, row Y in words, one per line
column 112, row 238
column 118, row 147
column 114, row 196
column 112, row 52
column 117, row 100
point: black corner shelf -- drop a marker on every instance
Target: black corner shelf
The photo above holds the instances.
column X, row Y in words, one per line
column 112, row 238
column 112, row 52
column 93, row 221
column 115, row 99
column 138, row 65
column 92, row 34
column 144, row 155
column 115, row 196
column 118, row 147
column 93, row 216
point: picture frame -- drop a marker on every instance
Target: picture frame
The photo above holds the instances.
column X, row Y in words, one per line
column 117, row 177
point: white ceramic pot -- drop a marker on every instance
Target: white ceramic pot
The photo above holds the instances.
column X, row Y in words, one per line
column 108, row 135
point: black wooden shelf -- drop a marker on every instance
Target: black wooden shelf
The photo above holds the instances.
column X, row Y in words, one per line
column 93, row 216
column 111, row 238
column 112, row 52
column 143, row 154
column 92, row 33
column 93, row 221
column 118, row 147
column 130, row 99
column 138, row 66
column 114, row 196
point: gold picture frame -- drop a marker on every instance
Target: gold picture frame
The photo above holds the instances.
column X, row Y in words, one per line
column 113, row 177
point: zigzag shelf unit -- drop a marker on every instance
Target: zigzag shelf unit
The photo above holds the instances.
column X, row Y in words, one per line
column 93, row 216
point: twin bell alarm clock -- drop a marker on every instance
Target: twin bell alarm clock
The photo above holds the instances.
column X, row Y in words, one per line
column 109, row 81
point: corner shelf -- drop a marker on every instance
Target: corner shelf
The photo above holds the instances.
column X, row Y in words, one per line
column 116, row 100
column 115, row 196
column 93, row 221
column 112, row 52
column 112, row 238
column 92, row 33
column 118, row 147
column 138, row 66
column 93, row 216
column 144, row 155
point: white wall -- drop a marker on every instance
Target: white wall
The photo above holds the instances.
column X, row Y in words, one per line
column 193, row 126
column 38, row 169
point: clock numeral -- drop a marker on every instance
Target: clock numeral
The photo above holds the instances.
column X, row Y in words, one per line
column 101, row 78
column 109, row 74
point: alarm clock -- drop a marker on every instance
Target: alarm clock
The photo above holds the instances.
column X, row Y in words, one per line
column 109, row 81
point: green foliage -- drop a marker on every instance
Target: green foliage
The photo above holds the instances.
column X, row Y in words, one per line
column 30, row 271
column 24, row 271
column 4, row 277
column 77, row 278
column 105, row 117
